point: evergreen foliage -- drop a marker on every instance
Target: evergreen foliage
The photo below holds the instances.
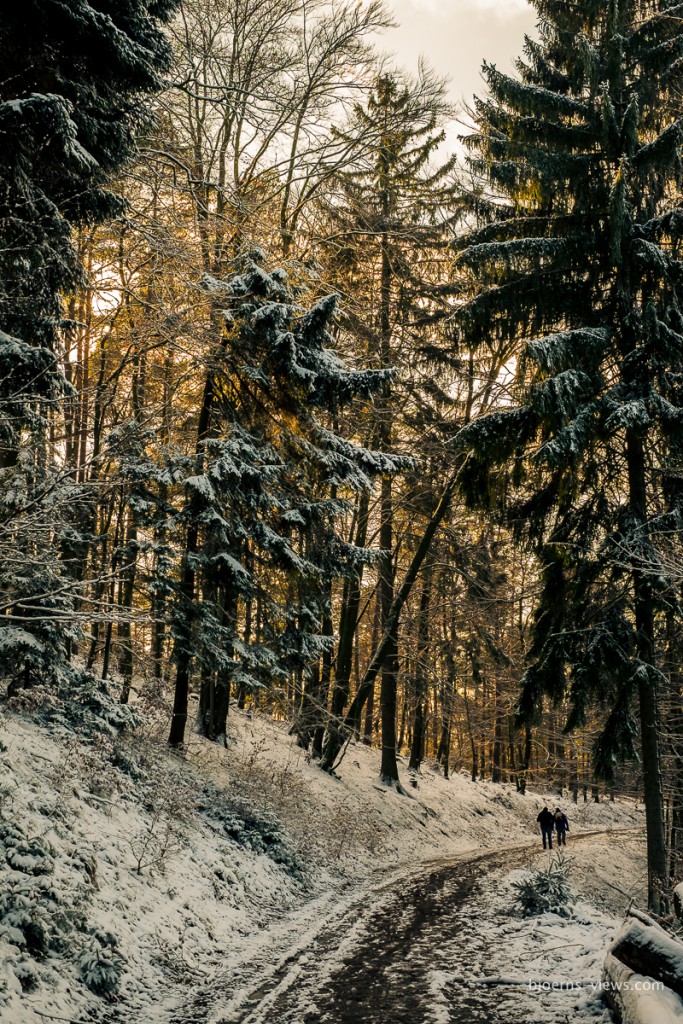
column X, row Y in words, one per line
column 267, row 487
column 577, row 275
column 546, row 891
column 389, row 231
column 251, row 827
column 397, row 209
column 99, row 965
column 73, row 77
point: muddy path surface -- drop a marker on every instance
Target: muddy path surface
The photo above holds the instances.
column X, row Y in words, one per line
column 409, row 952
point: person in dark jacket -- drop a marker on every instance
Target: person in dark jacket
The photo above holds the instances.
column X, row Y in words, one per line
column 546, row 820
column 561, row 827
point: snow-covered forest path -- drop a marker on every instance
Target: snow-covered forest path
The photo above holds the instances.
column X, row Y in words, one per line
column 411, row 951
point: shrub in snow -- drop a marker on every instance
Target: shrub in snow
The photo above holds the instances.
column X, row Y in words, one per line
column 128, row 761
column 161, row 838
column 167, row 799
column 81, row 703
column 251, row 827
column 88, row 765
column 84, row 859
column 26, row 974
column 37, row 916
column 32, row 856
column 99, row 966
column 25, row 920
column 546, row 891
column 10, row 834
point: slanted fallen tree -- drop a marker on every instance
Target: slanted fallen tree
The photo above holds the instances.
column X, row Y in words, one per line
column 648, row 949
column 633, row 998
column 643, row 973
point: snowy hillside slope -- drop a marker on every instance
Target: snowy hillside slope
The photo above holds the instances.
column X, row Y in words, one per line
column 129, row 875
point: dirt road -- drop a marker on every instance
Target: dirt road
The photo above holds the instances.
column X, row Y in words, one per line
column 412, row 951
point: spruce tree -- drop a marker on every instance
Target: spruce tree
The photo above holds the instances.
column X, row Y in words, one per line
column 72, row 81
column 265, row 491
column 577, row 271
column 396, row 209
column 73, row 76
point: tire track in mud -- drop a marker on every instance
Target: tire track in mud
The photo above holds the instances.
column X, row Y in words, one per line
column 388, row 957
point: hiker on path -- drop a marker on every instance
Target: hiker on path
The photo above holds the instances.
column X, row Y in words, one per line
column 561, row 827
column 546, row 820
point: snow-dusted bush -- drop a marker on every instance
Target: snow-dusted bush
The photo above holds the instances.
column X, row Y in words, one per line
column 84, row 859
column 251, row 827
column 38, row 919
column 99, row 965
column 167, row 798
column 129, row 760
column 10, row 834
column 546, row 891
column 160, row 838
column 27, row 975
column 25, row 918
column 81, row 703
column 87, row 765
column 349, row 831
column 32, row 856
column 35, row 914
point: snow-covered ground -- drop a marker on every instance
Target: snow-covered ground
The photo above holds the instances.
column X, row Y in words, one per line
column 130, row 878
column 545, row 967
column 438, row 817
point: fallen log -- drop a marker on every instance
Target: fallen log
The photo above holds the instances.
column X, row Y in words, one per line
column 643, row 918
column 634, row 999
column 647, row 949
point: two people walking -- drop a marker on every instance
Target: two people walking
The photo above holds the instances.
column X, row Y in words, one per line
column 549, row 822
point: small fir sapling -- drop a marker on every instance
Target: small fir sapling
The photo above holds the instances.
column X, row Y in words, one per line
column 546, row 891
column 100, row 965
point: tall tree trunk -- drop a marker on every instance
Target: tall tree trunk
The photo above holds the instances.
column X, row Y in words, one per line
column 647, row 690
column 348, row 619
column 131, row 545
column 311, row 715
column 525, row 760
column 389, row 679
column 106, row 654
column 419, row 723
column 370, row 708
column 183, row 645
column 214, row 696
column 126, row 607
column 496, row 774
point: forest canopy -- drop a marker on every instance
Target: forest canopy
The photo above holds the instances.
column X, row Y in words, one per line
column 302, row 412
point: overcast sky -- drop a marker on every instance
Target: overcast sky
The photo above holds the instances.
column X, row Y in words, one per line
column 457, row 35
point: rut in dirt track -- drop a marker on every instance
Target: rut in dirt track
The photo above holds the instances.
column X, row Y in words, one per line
column 407, row 959
column 387, row 978
column 427, row 925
